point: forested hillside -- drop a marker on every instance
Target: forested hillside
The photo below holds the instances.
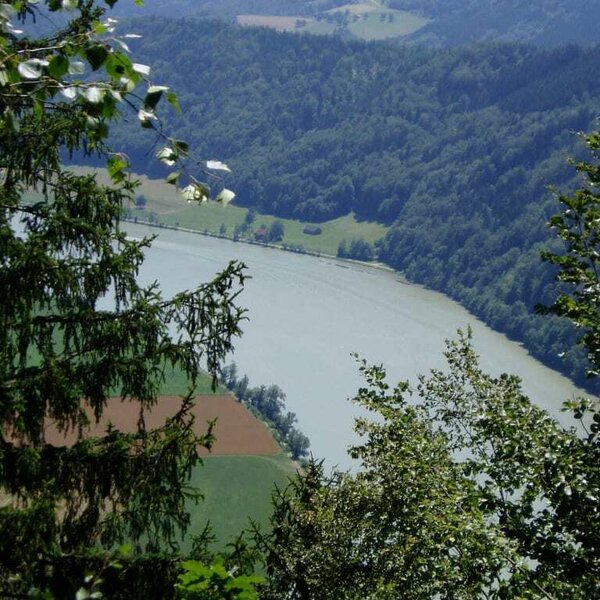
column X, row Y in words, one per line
column 225, row 8
column 453, row 149
column 545, row 22
column 451, row 22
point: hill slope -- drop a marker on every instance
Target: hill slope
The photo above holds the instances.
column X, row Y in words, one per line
column 544, row 22
column 453, row 149
column 436, row 22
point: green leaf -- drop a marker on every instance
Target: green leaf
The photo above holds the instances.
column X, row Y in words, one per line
column 96, row 55
column 173, row 101
column 9, row 121
column 118, row 65
column 115, row 166
column 173, row 178
column 58, row 66
column 38, row 109
column 99, row 28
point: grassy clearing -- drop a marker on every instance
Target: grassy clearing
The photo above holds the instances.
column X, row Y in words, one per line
column 165, row 206
column 176, row 383
column 209, row 218
column 355, row 9
column 366, row 20
column 386, row 23
column 236, row 489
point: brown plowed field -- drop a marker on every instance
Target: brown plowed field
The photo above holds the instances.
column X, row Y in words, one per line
column 237, row 431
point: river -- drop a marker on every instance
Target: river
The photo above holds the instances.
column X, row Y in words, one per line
column 308, row 314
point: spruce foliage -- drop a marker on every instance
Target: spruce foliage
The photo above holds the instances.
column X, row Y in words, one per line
column 77, row 327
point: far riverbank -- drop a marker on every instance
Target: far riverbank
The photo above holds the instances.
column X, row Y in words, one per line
column 282, row 247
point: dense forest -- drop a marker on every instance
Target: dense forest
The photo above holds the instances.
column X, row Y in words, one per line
column 545, row 22
column 225, row 8
column 451, row 22
column 453, row 149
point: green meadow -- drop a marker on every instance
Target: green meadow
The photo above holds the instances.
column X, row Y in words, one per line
column 237, row 490
column 165, row 206
column 385, row 23
column 368, row 20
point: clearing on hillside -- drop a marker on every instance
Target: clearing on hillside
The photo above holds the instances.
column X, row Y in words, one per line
column 364, row 20
column 355, row 9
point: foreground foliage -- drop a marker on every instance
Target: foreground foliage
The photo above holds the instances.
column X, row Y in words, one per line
column 578, row 226
column 465, row 490
column 77, row 327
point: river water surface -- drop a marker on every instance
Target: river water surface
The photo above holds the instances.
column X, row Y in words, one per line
column 308, row 314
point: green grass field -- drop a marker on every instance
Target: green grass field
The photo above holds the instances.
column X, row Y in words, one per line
column 176, row 384
column 210, row 217
column 369, row 20
column 386, row 23
column 236, row 489
column 165, row 205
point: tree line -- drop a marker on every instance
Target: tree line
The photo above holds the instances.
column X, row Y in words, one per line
column 268, row 402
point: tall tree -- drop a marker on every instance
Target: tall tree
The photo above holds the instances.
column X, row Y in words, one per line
column 76, row 326
column 578, row 226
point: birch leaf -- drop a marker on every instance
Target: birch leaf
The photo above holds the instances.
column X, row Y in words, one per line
column 32, row 68
column 225, row 196
column 217, row 165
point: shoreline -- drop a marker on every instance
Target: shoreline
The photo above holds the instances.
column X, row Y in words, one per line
column 317, row 254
